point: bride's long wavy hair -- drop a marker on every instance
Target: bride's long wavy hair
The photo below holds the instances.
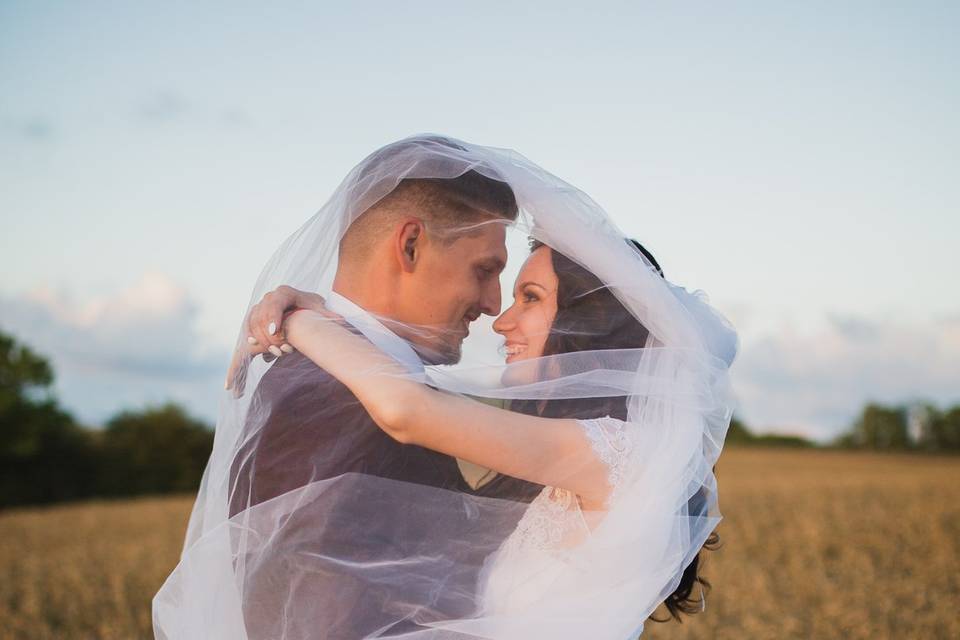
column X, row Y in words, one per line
column 589, row 317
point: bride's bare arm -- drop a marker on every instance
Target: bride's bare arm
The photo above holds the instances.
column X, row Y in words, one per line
column 553, row 452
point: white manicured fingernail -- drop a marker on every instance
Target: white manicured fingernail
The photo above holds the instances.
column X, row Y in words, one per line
column 251, row 340
column 275, row 350
column 272, row 329
column 286, row 348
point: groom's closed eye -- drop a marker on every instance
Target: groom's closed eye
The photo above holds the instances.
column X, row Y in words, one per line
column 491, row 268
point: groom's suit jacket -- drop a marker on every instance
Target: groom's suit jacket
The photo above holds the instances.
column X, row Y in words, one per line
column 306, row 427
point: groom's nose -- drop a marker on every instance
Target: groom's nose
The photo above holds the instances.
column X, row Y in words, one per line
column 490, row 298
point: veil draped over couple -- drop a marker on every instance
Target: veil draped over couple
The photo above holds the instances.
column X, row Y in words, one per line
column 369, row 480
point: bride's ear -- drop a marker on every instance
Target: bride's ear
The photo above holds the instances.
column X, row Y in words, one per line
column 409, row 243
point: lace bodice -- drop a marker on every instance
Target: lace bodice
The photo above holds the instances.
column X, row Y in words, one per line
column 554, row 519
column 552, row 528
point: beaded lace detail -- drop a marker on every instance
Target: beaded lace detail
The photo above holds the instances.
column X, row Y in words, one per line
column 611, row 442
column 554, row 519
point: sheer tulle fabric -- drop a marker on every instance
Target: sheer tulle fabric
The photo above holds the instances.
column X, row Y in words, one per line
column 366, row 554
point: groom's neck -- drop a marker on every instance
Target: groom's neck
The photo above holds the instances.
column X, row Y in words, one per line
column 375, row 294
column 367, row 294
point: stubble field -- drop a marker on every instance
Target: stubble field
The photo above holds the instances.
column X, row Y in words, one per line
column 815, row 545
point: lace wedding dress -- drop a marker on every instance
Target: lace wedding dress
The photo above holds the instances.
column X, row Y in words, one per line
column 543, row 548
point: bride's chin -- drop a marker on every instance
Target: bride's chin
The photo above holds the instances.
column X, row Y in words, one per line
column 519, row 371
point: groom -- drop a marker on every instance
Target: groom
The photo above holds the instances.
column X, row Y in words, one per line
column 404, row 265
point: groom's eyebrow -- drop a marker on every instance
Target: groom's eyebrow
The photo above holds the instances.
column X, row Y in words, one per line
column 494, row 264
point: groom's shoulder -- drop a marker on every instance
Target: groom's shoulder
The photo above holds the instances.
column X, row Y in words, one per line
column 292, row 375
column 292, row 371
column 296, row 377
column 293, row 366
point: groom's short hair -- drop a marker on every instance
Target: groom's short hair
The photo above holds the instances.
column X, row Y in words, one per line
column 444, row 204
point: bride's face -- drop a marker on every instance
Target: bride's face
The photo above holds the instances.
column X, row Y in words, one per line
column 526, row 324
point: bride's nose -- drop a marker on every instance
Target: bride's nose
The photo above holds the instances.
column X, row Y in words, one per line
column 504, row 323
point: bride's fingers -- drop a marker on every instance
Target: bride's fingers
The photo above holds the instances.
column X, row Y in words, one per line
column 265, row 321
column 265, row 341
column 273, row 339
column 258, row 329
column 257, row 342
column 270, row 324
column 232, row 370
column 236, row 372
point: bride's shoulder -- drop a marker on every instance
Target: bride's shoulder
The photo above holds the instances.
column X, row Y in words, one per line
column 612, row 441
column 607, row 432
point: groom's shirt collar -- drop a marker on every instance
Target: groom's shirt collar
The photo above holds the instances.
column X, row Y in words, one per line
column 374, row 330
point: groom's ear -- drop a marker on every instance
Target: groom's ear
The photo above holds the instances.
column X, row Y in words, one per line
column 409, row 243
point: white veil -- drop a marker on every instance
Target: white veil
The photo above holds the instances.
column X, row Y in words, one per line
column 362, row 554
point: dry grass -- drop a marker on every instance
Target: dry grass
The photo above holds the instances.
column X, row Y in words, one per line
column 87, row 570
column 816, row 545
column 832, row 545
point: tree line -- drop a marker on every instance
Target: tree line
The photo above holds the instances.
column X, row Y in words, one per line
column 47, row 456
column 916, row 427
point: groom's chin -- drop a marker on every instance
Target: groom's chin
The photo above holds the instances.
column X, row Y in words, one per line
column 440, row 354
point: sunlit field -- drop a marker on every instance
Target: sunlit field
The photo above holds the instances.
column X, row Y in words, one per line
column 815, row 545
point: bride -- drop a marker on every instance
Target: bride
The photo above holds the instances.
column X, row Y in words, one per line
column 615, row 402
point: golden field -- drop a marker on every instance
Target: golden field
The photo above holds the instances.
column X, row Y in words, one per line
column 815, row 545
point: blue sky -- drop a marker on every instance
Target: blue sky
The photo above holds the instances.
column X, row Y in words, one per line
column 798, row 162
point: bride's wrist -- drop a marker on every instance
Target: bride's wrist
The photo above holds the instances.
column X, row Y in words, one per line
column 294, row 320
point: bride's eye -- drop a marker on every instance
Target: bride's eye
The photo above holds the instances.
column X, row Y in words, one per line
column 529, row 296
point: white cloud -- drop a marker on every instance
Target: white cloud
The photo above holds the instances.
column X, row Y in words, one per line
column 815, row 382
column 162, row 107
column 142, row 345
column 136, row 346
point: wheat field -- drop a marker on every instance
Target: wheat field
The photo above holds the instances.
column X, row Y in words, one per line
column 816, row 544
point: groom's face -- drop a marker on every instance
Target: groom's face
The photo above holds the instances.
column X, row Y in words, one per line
column 453, row 284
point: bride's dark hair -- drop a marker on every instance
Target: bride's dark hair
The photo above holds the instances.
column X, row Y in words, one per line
column 590, row 318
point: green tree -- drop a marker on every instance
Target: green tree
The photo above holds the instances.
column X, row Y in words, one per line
column 44, row 455
column 945, row 430
column 738, row 433
column 21, row 372
column 880, row 427
column 154, row 450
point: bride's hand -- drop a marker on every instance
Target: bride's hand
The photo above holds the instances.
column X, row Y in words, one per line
column 264, row 326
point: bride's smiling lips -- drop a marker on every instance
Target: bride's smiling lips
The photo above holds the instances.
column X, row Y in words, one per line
column 514, row 349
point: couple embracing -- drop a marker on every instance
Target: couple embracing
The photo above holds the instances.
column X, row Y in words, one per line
column 368, row 481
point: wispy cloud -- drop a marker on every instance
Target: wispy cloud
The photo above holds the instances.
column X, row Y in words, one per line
column 815, row 383
column 162, row 107
column 169, row 106
column 235, row 117
column 34, row 128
